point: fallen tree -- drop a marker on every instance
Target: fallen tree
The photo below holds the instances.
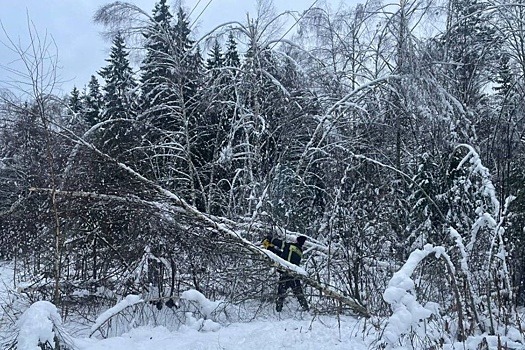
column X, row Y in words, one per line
column 223, row 226
column 172, row 204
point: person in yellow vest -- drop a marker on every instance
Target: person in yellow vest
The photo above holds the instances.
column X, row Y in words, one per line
column 292, row 252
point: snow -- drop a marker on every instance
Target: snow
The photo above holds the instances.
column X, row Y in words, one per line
column 106, row 315
column 206, row 307
column 267, row 330
column 407, row 312
column 488, row 188
column 463, row 251
column 201, row 324
column 280, row 261
column 36, row 325
column 308, row 333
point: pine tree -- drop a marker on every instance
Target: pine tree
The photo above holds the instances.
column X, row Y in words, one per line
column 172, row 76
column 231, row 62
column 75, row 102
column 170, row 71
column 425, row 218
column 508, row 155
column 93, row 102
column 471, row 45
column 215, row 60
column 231, row 56
column 120, row 86
column 503, row 128
column 505, row 77
column 267, row 127
column 220, row 90
column 119, row 101
column 156, row 73
column 189, row 62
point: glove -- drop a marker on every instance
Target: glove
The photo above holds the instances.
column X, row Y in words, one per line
column 266, row 243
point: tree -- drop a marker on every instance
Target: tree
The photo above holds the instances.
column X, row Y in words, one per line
column 231, row 56
column 75, row 102
column 36, row 113
column 156, row 76
column 119, row 99
column 470, row 44
column 511, row 28
column 216, row 59
column 93, row 102
column 120, row 86
column 188, row 71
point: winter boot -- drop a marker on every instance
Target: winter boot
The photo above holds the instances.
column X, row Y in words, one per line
column 279, row 307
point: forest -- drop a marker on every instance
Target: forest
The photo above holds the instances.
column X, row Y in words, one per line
column 391, row 135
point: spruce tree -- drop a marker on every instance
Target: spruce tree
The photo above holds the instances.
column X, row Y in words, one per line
column 75, row 102
column 471, row 43
column 156, row 69
column 509, row 160
column 505, row 77
column 119, row 100
column 120, row 86
column 189, row 61
column 231, row 56
column 215, row 60
column 93, row 102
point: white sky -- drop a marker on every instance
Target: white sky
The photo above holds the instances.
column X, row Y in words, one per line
column 82, row 50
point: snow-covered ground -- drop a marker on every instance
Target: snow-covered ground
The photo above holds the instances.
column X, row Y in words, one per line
column 202, row 329
column 288, row 333
column 6, row 277
column 289, row 330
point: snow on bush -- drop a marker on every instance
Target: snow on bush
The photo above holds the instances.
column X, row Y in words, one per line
column 37, row 326
column 407, row 312
column 206, row 307
column 201, row 324
column 121, row 305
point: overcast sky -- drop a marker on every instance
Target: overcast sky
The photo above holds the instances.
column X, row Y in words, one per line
column 81, row 48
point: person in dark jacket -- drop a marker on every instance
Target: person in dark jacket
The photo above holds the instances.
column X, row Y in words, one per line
column 292, row 252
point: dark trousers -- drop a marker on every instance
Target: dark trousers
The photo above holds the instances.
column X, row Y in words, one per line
column 285, row 282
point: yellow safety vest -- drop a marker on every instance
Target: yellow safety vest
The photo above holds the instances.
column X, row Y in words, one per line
column 294, row 249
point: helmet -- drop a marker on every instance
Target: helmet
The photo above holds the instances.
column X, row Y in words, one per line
column 301, row 240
